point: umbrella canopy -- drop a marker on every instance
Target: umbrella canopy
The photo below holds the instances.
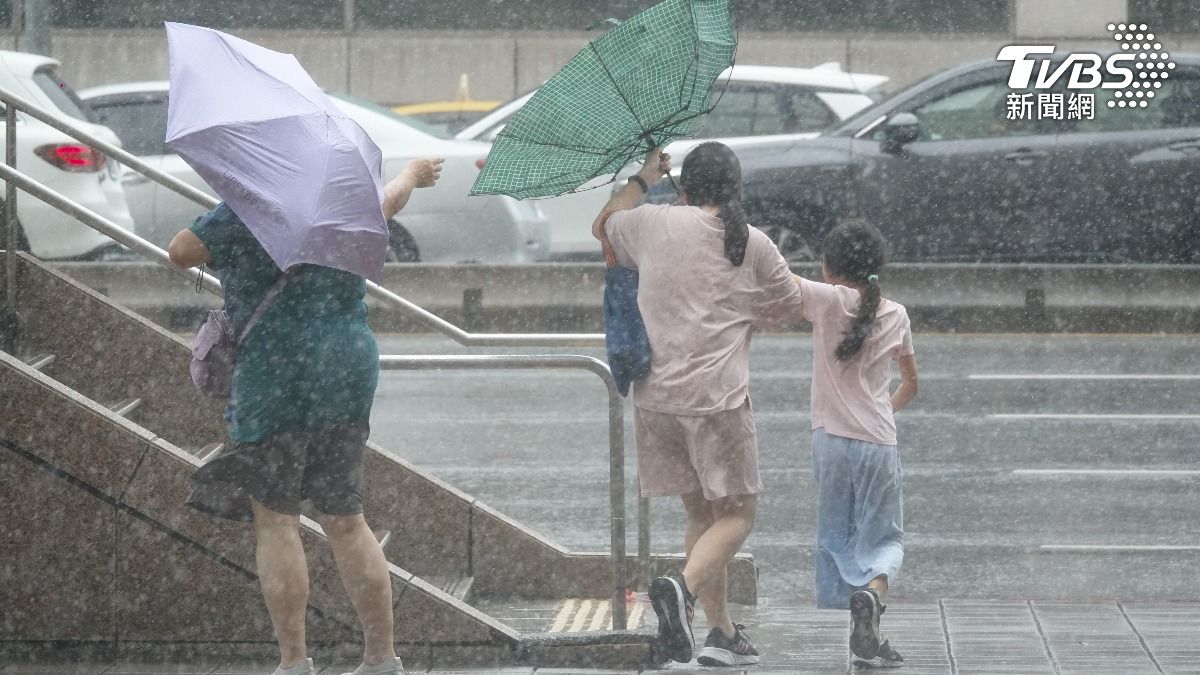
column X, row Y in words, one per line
column 303, row 176
column 641, row 85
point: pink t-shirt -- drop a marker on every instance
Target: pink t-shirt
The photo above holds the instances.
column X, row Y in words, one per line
column 699, row 308
column 852, row 398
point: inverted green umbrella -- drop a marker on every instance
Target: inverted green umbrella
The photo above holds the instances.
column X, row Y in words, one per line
column 641, row 85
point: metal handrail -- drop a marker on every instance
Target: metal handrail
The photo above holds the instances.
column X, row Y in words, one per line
column 616, row 433
column 424, row 316
column 14, row 179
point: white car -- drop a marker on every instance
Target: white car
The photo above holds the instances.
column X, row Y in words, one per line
column 438, row 225
column 757, row 104
column 61, row 163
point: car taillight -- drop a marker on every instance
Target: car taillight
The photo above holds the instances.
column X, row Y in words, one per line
column 73, row 157
column 479, row 163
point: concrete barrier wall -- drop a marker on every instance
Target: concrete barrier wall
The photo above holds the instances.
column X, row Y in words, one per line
column 398, row 66
column 566, row 297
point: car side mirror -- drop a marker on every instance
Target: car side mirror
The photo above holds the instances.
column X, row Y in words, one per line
column 899, row 130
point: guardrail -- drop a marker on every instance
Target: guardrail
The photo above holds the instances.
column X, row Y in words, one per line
column 16, row 180
column 566, row 296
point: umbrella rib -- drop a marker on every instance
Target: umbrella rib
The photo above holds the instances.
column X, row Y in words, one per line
column 319, row 104
column 617, row 87
column 557, row 146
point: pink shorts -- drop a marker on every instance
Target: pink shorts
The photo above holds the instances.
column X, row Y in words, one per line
column 715, row 454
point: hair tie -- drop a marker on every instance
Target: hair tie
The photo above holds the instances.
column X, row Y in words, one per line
column 872, row 279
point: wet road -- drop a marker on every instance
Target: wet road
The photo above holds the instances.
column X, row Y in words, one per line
column 1049, row 467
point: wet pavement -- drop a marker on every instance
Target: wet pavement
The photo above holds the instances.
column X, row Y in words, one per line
column 952, row 637
column 1058, row 468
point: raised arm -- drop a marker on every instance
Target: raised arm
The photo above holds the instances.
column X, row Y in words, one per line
column 907, row 390
column 418, row 173
column 656, row 165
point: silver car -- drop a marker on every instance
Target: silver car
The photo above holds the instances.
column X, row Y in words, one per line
column 756, row 104
column 438, row 225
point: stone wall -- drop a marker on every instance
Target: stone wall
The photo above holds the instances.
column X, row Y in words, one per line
column 408, row 66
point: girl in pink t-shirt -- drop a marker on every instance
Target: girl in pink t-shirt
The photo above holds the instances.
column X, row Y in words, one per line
column 857, row 334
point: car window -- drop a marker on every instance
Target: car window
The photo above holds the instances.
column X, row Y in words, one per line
column 806, row 112
column 60, row 93
column 424, row 128
column 491, row 134
column 979, row 111
column 742, row 112
column 141, row 124
column 845, row 103
column 1175, row 104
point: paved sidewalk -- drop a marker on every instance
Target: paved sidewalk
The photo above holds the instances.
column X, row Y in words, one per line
column 952, row 636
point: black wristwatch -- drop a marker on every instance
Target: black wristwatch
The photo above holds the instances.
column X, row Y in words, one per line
column 640, row 181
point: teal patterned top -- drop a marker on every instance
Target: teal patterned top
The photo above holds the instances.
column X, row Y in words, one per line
column 311, row 362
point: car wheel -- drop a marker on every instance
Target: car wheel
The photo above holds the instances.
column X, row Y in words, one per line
column 796, row 231
column 403, row 247
column 22, row 242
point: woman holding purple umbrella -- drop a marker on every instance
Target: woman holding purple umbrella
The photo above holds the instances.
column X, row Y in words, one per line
column 298, row 419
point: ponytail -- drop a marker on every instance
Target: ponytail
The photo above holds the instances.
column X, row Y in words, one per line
column 864, row 321
column 712, row 175
column 853, row 252
column 737, row 231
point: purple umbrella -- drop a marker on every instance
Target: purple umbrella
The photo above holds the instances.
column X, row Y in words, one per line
column 303, row 176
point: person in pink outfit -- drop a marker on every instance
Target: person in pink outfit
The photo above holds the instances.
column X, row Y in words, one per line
column 857, row 335
column 706, row 280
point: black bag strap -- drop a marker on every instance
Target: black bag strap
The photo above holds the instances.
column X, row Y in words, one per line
column 266, row 302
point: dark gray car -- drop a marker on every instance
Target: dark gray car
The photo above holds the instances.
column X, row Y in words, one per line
column 945, row 173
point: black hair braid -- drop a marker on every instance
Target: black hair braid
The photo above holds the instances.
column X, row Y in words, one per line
column 712, row 175
column 864, row 321
column 853, row 251
column 737, row 230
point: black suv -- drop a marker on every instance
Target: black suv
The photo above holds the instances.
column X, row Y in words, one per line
column 947, row 176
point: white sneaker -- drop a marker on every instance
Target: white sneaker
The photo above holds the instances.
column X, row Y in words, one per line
column 305, row 667
column 394, row 667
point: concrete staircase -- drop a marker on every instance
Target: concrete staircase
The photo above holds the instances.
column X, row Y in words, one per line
column 100, row 428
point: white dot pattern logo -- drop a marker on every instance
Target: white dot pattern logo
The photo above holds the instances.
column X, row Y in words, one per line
column 1151, row 62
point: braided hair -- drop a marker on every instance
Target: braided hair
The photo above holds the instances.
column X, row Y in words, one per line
column 712, row 176
column 853, row 251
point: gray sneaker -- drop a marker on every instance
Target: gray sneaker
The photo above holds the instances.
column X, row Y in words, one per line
column 886, row 658
column 675, row 607
column 865, row 609
column 722, row 651
column 305, row 667
column 394, row 667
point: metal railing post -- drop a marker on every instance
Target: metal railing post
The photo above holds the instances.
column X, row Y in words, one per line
column 616, row 482
column 643, row 552
column 616, row 435
column 10, row 210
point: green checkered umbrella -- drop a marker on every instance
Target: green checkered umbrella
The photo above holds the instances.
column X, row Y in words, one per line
column 641, row 85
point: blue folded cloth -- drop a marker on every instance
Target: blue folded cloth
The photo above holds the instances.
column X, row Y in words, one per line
column 625, row 338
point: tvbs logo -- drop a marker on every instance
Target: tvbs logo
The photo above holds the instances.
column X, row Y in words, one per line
column 1135, row 73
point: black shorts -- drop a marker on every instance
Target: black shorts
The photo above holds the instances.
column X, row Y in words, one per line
column 283, row 470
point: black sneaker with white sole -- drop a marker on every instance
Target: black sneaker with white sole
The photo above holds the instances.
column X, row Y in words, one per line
column 865, row 609
column 675, row 607
column 723, row 651
column 886, row 658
